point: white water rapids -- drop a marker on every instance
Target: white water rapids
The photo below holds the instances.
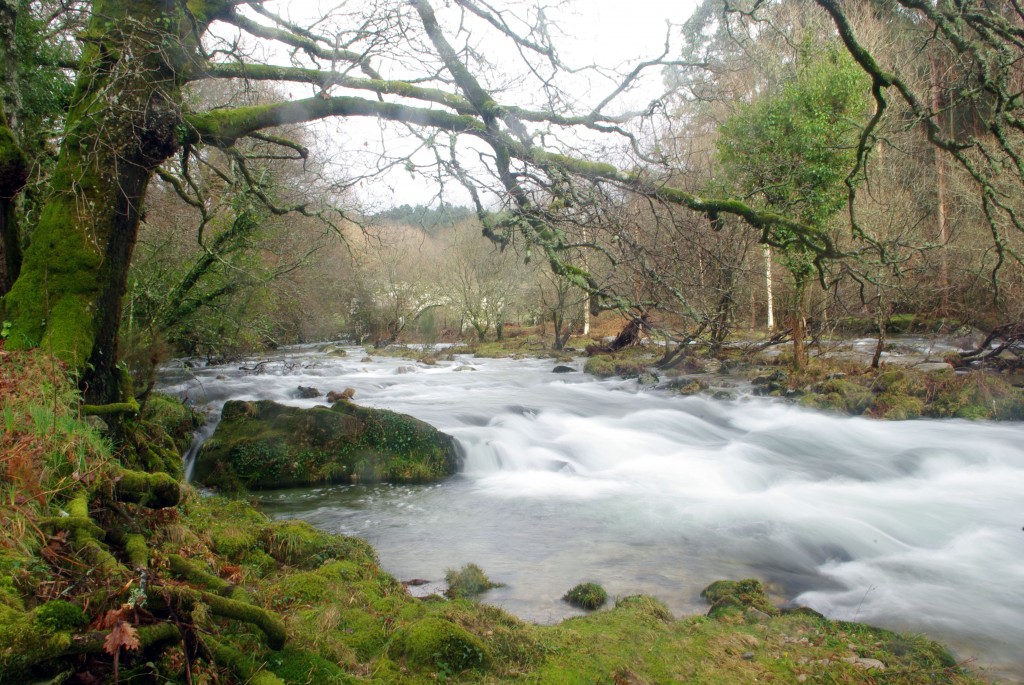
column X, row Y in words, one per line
column 913, row 525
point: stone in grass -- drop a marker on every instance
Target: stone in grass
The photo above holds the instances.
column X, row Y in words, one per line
column 586, row 596
column 467, row 582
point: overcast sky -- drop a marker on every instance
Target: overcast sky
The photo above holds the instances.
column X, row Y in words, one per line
column 611, row 33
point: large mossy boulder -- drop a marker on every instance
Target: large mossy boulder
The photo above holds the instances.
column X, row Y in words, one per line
column 263, row 445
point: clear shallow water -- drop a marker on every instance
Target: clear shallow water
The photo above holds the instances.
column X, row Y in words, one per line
column 911, row 525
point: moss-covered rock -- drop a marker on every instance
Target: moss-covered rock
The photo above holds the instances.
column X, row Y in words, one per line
column 728, row 596
column 841, row 395
column 262, row 445
column 437, row 644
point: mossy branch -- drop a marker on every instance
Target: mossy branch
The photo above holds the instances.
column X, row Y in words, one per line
column 114, row 408
column 267, row 621
column 224, row 127
column 149, row 636
column 136, row 550
column 239, row 663
column 194, row 573
column 154, row 490
column 86, row 536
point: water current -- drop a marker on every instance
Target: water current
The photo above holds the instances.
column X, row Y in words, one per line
column 911, row 525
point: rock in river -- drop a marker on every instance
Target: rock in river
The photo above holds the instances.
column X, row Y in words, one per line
column 262, row 445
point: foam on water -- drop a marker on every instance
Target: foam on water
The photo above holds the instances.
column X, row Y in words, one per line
column 914, row 525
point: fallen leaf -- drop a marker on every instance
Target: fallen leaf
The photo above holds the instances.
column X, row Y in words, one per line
column 121, row 635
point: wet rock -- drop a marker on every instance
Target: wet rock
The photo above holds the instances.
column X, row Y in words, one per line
column 933, row 366
column 692, row 388
column 346, row 394
column 366, row 360
column 772, row 384
column 97, row 423
column 756, row 615
column 334, row 350
column 465, row 367
column 562, row 368
column 647, row 378
column 861, row 662
column 405, row 369
column 307, row 393
column 710, row 365
column 264, row 445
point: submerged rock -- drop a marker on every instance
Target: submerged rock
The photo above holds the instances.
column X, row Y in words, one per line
column 264, row 445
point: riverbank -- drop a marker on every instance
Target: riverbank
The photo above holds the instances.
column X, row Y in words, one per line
column 210, row 589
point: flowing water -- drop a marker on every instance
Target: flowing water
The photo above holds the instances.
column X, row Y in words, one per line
column 913, row 525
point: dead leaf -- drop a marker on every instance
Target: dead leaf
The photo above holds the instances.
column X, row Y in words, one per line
column 121, row 635
column 112, row 618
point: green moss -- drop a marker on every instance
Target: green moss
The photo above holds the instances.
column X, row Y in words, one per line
column 440, row 645
column 267, row 445
column 725, row 596
column 897, row 407
column 294, row 665
column 299, row 544
column 630, row 363
column 469, row 581
column 843, row 395
column 57, row 615
column 175, row 418
column 362, row 632
column 586, row 596
column 902, row 382
column 302, row 588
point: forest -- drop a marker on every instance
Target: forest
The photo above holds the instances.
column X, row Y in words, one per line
column 214, row 179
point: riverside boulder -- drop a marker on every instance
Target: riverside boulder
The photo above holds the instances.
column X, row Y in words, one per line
column 263, row 445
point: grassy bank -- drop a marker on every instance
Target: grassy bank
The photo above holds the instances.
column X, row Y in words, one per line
column 109, row 574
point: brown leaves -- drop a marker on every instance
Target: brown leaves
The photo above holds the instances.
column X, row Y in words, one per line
column 121, row 635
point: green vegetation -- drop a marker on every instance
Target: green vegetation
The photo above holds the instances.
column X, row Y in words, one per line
column 468, row 582
column 586, row 596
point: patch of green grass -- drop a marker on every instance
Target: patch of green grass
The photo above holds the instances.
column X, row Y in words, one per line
column 586, row 596
column 469, row 581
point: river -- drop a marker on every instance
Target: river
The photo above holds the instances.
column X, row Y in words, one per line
column 911, row 525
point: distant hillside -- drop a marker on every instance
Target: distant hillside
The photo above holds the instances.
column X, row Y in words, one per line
column 430, row 219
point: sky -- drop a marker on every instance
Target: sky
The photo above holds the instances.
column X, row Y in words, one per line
column 611, row 33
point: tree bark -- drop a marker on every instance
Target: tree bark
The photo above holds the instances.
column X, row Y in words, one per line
column 768, row 287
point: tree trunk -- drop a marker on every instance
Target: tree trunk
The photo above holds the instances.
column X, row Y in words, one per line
column 768, row 287
column 799, row 324
column 940, row 200
column 13, row 165
column 124, row 121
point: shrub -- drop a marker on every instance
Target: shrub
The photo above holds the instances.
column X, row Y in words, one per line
column 586, row 596
column 468, row 582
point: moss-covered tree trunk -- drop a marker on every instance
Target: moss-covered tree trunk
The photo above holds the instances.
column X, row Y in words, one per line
column 125, row 119
column 13, row 166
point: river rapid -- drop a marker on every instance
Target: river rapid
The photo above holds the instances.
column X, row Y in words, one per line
column 911, row 525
